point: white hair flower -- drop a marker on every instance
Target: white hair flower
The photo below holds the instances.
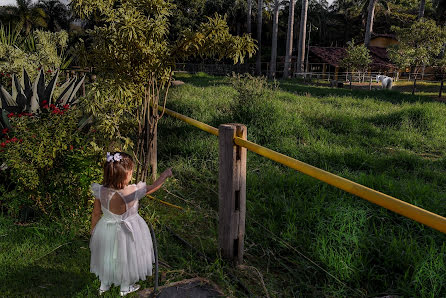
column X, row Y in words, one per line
column 114, row 157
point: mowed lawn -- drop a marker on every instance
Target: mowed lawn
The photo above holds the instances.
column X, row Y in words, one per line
column 303, row 238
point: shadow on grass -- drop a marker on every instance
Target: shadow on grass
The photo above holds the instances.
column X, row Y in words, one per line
column 201, row 79
column 392, row 96
column 63, row 273
column 382, row 95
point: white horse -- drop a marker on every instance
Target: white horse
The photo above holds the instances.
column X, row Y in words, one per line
column 385, row 81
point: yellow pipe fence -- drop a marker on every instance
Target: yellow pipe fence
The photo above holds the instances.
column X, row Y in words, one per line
column 408, row 210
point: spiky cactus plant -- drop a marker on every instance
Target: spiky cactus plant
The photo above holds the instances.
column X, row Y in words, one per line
column 30, row 98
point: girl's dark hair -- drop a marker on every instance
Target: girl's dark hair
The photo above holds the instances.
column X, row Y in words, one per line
column 115, row 172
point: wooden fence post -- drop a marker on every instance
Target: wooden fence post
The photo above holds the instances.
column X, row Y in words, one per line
column 231, row 192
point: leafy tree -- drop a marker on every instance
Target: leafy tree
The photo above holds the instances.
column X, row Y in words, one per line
column 26, row 15
column 418, row 45
column 358, row 58
column 135, row 60
column 57, row 14
column 188, row 14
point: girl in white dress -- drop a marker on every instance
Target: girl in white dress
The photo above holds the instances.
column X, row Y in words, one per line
column 121, row 245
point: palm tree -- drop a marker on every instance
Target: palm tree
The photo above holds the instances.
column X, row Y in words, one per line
column 57, row 14
column 272, row 69
column 302, row 34
column 369, row 26
column 259, row 37
column 289, row 41
column 26, row 15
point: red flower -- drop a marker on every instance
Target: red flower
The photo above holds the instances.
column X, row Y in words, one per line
column 45, row 107
column 20, row 115
column 10, row 115
column 66, row 106
column 5, row 130
column 49, row 71
column 14, row 139
column 53, row 106
column 71, row 147
column 21, row 140
column 8, row 141
column 3, row 145
column 56, row 111
column 44, row 102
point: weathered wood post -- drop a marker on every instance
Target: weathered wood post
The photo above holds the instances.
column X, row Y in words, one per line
column 231, row 192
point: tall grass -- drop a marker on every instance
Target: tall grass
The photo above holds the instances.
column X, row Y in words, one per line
column 387, row 141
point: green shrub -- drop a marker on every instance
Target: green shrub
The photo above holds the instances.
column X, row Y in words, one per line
column 50, row 167
column 47, row 51
column 254, row 107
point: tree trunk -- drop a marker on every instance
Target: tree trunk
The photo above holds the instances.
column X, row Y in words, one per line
column 148, row 117
column 248, row 23
column 369, row 26
column 421, row 10
column 272, row 69
column 154, row 154
column 259, row 37
column 414, row 85
column 302, row 35
column 289, row 41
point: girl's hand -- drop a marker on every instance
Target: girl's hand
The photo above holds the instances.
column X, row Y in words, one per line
column 167, row 173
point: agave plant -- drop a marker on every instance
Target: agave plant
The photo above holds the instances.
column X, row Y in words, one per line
column 30, row 98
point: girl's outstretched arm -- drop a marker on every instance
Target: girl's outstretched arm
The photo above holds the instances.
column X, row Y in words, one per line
column 96, row 214
column 159, row 182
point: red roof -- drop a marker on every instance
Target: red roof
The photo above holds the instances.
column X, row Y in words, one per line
column 334, row 55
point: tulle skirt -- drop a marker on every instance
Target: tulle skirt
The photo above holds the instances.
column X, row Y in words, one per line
column 121, row 250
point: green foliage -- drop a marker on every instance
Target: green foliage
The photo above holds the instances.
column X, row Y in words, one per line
column 113, row 107
column 26, row 15
column 47, row 51
column 357, row 58
column 50, row 167
column 418, row 45
column 130, row 46
column 254, row 106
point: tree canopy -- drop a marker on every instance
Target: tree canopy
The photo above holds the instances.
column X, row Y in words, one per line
column 419, row 45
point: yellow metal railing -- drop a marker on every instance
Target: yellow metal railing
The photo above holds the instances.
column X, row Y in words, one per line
column 420, row 215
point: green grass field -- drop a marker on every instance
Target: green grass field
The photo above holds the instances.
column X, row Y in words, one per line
column 303, row 237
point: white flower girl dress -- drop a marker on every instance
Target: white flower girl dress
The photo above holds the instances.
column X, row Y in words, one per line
column 121, row 245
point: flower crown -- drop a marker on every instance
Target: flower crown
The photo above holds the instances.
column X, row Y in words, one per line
column 114, row 157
